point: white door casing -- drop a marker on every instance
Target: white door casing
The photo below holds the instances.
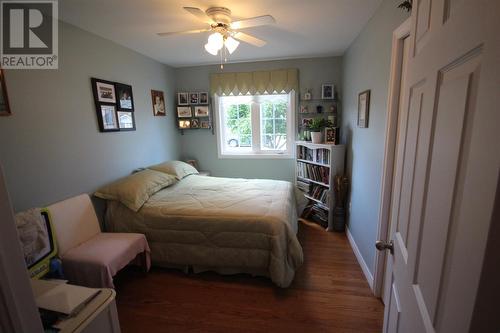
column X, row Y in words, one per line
column 447, row 163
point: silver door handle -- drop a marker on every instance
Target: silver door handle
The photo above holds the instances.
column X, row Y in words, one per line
column 382, row 245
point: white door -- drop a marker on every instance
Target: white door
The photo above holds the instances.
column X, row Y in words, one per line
column 447, row 164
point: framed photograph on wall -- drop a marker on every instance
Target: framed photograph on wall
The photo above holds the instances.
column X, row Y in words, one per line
column 108, row 119
column 184, row 112
column 105, row 91
column 194, row 98
column 4, row 99
column 201, row 111
column 158, row 103
column 327, row 91
column 183, row 98
column 363, row 108
column 204, row 124
column 203, row 98
column 114, row 105
column 125, row 98
column 126, row 120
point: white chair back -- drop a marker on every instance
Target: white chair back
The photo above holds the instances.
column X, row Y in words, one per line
column 74, row 221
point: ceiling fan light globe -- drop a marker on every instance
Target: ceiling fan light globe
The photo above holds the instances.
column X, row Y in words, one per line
column 210, row 49
column 231, row 44
column 216, row 40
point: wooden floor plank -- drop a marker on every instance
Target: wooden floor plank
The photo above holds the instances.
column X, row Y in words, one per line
column 329, row 294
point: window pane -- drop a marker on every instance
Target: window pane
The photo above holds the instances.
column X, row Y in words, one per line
column 267, row 110
column 238, row 125
column 280, row 126
column 267, row 127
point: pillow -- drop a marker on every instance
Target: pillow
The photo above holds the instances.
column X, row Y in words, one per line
column 134, row 190
column 176, row 168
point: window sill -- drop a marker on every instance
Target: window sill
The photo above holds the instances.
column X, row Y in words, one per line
column 257, row 156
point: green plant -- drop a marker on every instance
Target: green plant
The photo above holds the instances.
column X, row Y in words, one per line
column 317, row 124
column 406, row 5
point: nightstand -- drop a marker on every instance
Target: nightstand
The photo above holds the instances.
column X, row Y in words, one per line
column 204, row 173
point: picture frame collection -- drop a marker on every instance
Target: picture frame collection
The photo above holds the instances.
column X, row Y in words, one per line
column 114, row 103
column 193, row 110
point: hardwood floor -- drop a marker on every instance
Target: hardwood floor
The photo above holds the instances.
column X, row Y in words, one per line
column 329, row 294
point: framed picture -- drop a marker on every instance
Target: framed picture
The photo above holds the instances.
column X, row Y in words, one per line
column 194, row 98
column 158, row 103
column 204, row 98
column 331, row 135
column 184, row 112
column 126, row 120
column 125, row 99
column 307, row 96
column 363, row 108
column 204, row 124
column 327, row 91
column 114, row 105
column 105, row 91
column 108, row 119
column 185, row 123
column 4, row 99
column 306, row 122
column 195, row 123
column 183, row 98
column 201, row 111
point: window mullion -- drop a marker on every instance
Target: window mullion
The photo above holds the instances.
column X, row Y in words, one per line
column 255, row 126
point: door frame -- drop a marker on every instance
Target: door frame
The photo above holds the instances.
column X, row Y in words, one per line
column 398, row 37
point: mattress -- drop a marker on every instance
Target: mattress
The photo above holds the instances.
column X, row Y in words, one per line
column 228, row 225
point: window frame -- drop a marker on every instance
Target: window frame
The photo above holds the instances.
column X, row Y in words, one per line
column 256, row 152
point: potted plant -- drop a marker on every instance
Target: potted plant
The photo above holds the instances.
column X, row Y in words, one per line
column 315, row 127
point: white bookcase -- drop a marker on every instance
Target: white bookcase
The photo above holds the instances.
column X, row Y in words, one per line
column 316, row 165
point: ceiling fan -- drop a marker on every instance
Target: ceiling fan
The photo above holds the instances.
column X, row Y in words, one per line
column 224, row 30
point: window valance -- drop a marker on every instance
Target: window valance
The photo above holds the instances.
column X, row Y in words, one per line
column 260, row 82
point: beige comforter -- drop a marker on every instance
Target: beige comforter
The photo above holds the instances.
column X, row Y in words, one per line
column 223, row 224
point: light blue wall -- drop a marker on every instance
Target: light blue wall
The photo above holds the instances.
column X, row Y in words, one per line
column 367, row 66
column 51, row 147
column 202, row 145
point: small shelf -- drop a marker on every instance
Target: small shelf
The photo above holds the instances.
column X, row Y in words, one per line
column 313, row 181
column 320, row 203
column 312, row 162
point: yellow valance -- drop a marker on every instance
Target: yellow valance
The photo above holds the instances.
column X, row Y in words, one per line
column 260, row 82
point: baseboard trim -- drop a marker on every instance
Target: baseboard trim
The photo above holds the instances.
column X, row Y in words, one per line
column 361, row 261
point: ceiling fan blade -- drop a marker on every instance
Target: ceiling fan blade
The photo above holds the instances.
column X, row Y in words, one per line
column 201, row 15
column 249, row 39
column 164, row 34
column 253, row 22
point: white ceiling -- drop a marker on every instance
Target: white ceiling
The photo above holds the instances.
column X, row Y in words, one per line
column 303, row 29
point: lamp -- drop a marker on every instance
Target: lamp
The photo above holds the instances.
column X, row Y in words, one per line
column 231, row 44
column 217, row 41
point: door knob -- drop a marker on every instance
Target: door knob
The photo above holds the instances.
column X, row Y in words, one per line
column 381, row 245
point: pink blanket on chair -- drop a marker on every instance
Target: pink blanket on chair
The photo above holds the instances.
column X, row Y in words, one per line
column 95, row 262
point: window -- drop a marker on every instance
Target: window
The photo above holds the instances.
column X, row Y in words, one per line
column 255, row 126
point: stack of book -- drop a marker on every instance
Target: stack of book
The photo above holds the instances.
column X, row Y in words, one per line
column 304, row 153
column 314, row 172
column 322, row 156
column 319, row 193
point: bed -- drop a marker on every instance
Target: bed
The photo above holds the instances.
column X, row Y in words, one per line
column 225, row 225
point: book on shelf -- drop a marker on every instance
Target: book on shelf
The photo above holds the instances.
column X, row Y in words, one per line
column 319, row 155
column 314, row 172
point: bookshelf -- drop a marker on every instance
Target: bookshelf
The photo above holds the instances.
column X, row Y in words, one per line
column 316, row 165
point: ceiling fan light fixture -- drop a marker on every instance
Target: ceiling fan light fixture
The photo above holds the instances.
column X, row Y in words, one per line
column 231, row 44
column 211, row 49
column 216, row 41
